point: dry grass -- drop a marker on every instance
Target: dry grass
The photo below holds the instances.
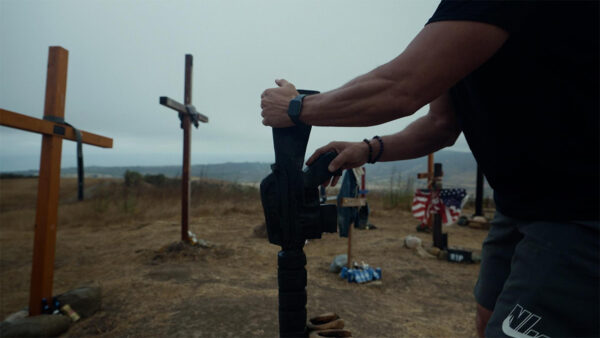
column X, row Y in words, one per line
column 123, row 238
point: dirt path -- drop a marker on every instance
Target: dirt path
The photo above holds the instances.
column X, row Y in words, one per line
column 230, row 290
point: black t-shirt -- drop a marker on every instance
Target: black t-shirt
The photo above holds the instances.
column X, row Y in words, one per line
column 530, row 113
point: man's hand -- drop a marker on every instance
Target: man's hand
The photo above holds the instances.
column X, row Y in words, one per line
column 274, row 103
column 350, row 155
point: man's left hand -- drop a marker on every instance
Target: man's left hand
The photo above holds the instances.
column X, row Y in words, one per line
column 274, row 103
column 350, row 155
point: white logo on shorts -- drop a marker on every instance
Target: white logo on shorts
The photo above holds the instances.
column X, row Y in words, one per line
column 519, row 324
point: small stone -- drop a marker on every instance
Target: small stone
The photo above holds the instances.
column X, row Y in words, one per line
column 443, row 254
column 479, row 219
column 412, row 242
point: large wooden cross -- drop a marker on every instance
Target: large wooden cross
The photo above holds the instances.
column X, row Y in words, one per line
column 42, row 271
column 187, row 115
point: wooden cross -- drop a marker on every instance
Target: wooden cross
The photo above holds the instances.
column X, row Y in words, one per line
column 434, row 184
column 429, row 174
column 187, row 115
column 53, row 133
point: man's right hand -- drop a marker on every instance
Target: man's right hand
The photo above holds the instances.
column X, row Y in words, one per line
column 350, row 155
column 274, row 103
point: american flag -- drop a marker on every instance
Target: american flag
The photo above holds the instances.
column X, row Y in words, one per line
column 447, row 203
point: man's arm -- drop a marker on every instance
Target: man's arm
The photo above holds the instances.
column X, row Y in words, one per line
column 439, row 56
column 436, row 130
column 430, row 133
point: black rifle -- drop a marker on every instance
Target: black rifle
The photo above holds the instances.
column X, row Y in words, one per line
column 293, row 214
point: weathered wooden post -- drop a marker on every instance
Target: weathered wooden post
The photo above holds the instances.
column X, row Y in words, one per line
column 53, row 130
column 187, row 115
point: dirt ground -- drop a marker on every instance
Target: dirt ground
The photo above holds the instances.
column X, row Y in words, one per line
column 230, row 290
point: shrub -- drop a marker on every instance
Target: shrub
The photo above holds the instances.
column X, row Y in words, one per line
column 157, row 180
column 132, row 178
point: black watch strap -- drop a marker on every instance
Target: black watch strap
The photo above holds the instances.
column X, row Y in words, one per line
column 295, row 108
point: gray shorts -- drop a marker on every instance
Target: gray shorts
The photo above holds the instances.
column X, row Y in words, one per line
column 541, row 279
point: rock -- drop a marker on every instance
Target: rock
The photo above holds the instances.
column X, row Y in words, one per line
column 36, row 326
column 443, row 254
column 412, row 242
column 479, row 219
column 17, row 315
column 338, row 263
column 84, row 300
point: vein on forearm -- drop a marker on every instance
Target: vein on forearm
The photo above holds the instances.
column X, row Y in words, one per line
column 370, row 99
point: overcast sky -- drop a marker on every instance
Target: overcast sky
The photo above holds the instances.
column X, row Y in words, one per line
column 123, row 55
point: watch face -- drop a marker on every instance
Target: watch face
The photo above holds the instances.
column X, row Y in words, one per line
column 295, row 106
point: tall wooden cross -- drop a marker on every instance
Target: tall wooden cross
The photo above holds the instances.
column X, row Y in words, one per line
column 187, row 115
column 42, row 271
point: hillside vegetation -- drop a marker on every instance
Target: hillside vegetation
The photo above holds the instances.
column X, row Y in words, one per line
column 459, row 172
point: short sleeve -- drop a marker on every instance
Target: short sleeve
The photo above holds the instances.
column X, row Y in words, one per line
column 508, row 15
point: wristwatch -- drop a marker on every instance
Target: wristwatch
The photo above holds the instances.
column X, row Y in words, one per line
column 295, row 108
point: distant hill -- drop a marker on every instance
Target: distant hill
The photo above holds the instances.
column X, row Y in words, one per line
column 459, row 171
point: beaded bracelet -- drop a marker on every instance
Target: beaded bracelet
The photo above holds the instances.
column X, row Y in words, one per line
column 370, row 150
column 380, row 148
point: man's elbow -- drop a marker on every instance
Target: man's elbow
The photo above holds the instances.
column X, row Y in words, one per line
column 450, row 137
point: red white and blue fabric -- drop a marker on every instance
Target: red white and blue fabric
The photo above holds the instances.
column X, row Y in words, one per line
column 446, row 202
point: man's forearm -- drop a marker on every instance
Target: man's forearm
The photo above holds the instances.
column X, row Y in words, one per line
column 434, row 131
column 370, row 99
column 424, row 136
column 430, row 65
